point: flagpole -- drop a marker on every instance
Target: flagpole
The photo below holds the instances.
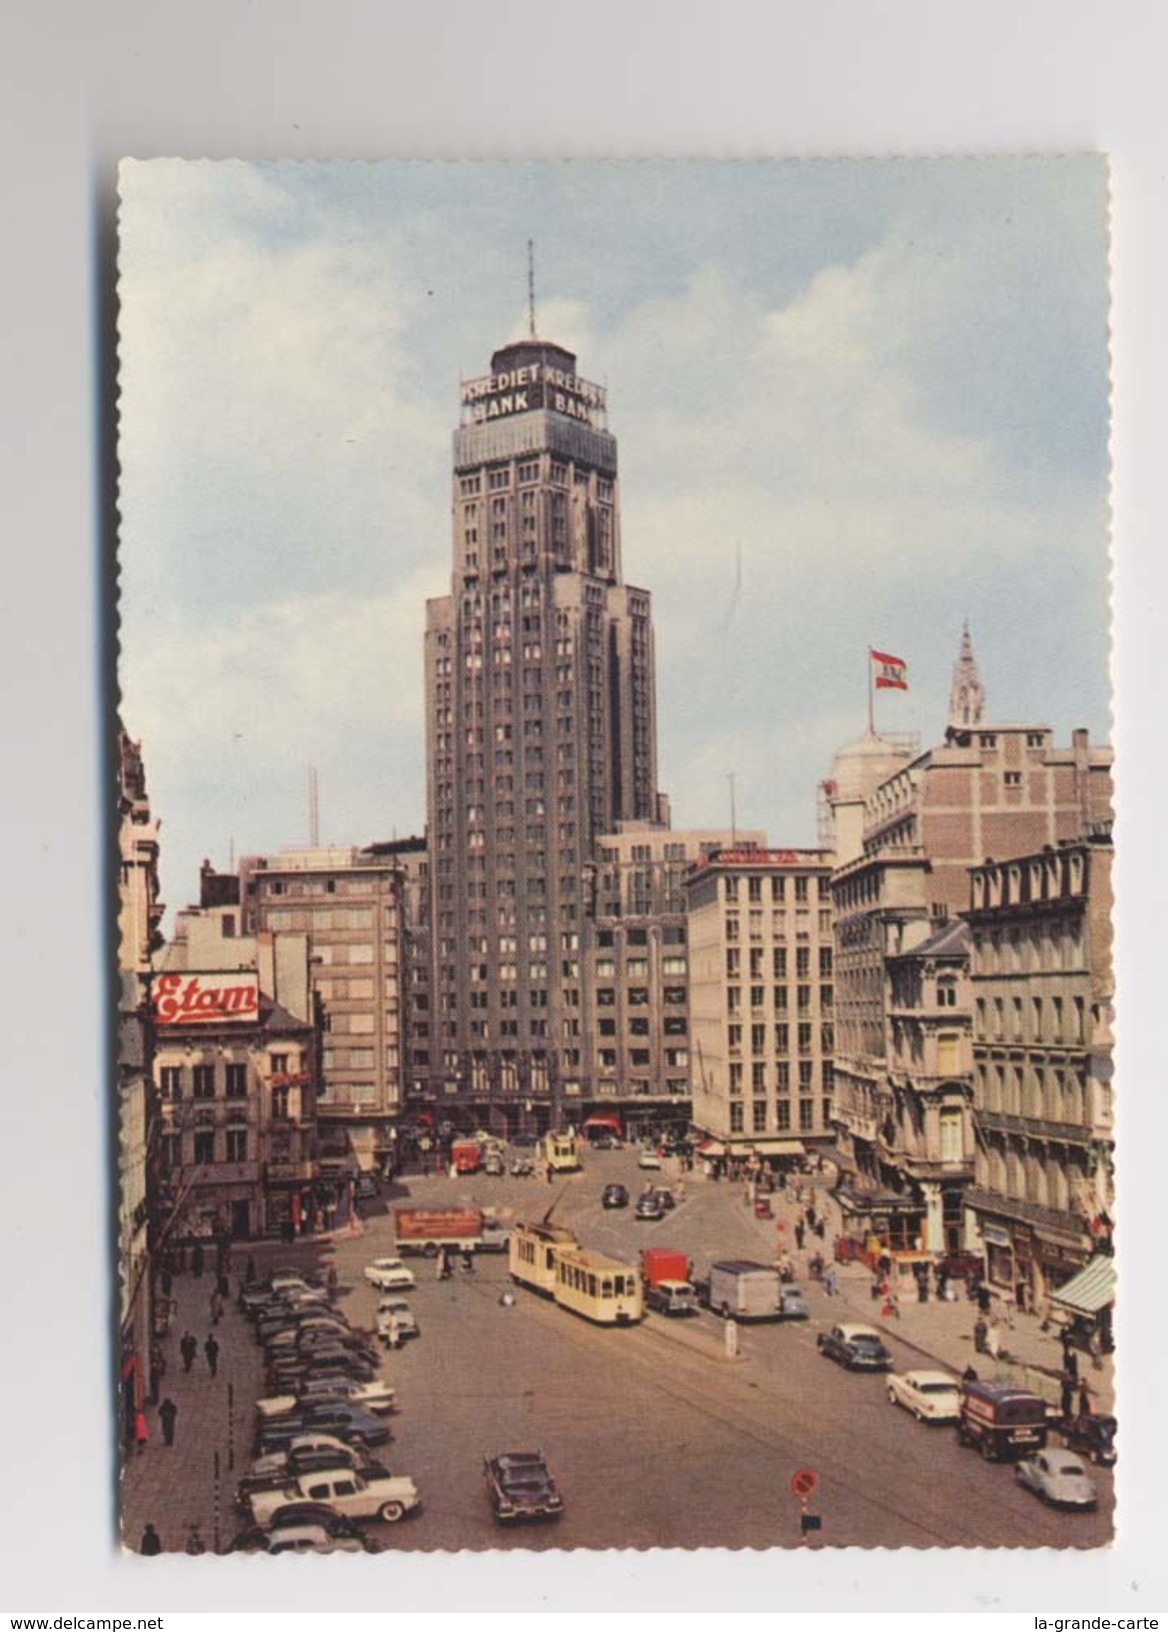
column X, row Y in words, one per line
column 871, row 719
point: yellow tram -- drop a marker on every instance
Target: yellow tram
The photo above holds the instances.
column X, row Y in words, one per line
column 551, row 1261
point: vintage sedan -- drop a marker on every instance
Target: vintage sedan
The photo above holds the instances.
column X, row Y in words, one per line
column 390, row 1275
column 931, row 1396
column 1059, row 1478
column 649, row 1161
column 858, row 1348
column 649, row 1207
column 615, row 1195
column 347, row 1422
column 521, row 1488
column 341, row 1454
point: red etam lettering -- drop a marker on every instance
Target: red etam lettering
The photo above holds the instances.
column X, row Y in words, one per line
column 182, row 999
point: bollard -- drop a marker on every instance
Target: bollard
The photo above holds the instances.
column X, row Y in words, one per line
column 215, row 1516
column 731, row 1340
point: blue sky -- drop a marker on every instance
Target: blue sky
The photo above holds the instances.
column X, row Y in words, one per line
column 856, row 403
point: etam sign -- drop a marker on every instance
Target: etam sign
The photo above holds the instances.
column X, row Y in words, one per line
column 184, row 1000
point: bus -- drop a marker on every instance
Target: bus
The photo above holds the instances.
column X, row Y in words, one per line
column 599, row 1288
column 560, row 1153
column 532, row 1255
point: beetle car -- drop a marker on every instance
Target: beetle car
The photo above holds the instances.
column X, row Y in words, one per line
column 520, row 1487
column 1057, row 1477
column 615, row 1195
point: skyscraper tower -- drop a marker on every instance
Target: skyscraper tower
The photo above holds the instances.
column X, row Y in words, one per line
column 540, row 731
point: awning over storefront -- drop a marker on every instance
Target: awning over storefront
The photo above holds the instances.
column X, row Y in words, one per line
column 711, row 1147
column 877, row 1201
column 779, row 1147
column 1092, row 1289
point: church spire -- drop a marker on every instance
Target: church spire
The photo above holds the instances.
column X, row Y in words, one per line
column 967, row 694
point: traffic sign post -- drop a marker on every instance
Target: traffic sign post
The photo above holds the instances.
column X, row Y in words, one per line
column 803, row 1483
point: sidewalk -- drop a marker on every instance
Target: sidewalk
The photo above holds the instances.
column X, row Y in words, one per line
column 173, row 1487
column 940, row 1332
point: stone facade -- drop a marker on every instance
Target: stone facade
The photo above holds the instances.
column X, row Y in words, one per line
column 235, row 1066
column 1043, row 993
column 762, row 1000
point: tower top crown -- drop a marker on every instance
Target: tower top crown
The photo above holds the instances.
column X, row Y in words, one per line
column 967, row 694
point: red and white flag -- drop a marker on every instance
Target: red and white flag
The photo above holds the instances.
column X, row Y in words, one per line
column 891, row 671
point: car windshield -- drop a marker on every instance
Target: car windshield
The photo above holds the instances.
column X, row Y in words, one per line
column 1069, row 1471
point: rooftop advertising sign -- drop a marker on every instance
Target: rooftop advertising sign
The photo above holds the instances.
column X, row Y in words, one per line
column 536, row 385
column 184, row 1000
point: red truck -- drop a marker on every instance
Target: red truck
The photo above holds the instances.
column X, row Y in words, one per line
column 466, row 1155
column 463, row 1229
column 667, row 1275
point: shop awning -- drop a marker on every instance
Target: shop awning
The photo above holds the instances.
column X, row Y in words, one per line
column 1092, row 1289
column 711, row 1147
column 869, row 1202
column 779, row 1147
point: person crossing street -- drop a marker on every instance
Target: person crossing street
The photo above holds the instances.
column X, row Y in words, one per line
column 211, row 1350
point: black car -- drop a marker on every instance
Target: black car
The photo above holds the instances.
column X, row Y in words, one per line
column 521, row 1488
column 615, row 1195
column 1093, row 1436
column 857, row 1347
column 649, row 1207
column 347, row 1422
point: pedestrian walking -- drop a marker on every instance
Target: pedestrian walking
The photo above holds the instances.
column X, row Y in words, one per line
column 188, row 1347
column 799, row 1235
column 197, row 1260
column 167, row 1281
column 141, row 1431
column 1067, row 1403
column 811, row 1214
column 211, row 1350
column 195, row 1542
column 829, row 1281
column 168, row 1415
column 216, row 1306
column 151, row 1544
column 224, row 1285
column 549, row 1173
column 250, row 1271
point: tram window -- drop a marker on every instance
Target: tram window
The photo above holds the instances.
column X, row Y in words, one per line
column 606, row 1289
column 592, row 1286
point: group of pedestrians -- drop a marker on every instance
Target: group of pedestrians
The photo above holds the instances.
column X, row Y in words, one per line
column 189, row 1349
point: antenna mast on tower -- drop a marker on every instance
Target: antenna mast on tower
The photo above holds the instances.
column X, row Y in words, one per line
column 531, row 288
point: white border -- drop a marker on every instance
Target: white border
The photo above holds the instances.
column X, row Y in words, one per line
column 88, row 84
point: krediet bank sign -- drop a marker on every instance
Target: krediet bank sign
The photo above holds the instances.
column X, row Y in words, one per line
column 537, row 385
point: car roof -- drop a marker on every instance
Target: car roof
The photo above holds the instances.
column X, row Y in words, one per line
column 516, row 1459
column 931, row 1377
column 1057, row 1459
column 854, row 1329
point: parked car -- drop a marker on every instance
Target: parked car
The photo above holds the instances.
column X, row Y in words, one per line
column 390, row 1274
column 520, row 1487
column 649, row 1207
column 353, row 1495
column 1057, row 1477
column 1093, row 1435
column 615, row 1195
column 311, row 1445
column 305, row 1536
column 666, row 1197
column 931, row 1396
column 649, row 1161
column 347, row 1422
column 858, row 1348
column 375, row 1395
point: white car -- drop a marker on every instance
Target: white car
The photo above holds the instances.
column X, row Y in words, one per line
column 931, row 1396
column 390, row 1275
column 650, row 1161
column 355, row 1495
column 395, row 1320
column 1058, row 1477
column 372, row 1396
